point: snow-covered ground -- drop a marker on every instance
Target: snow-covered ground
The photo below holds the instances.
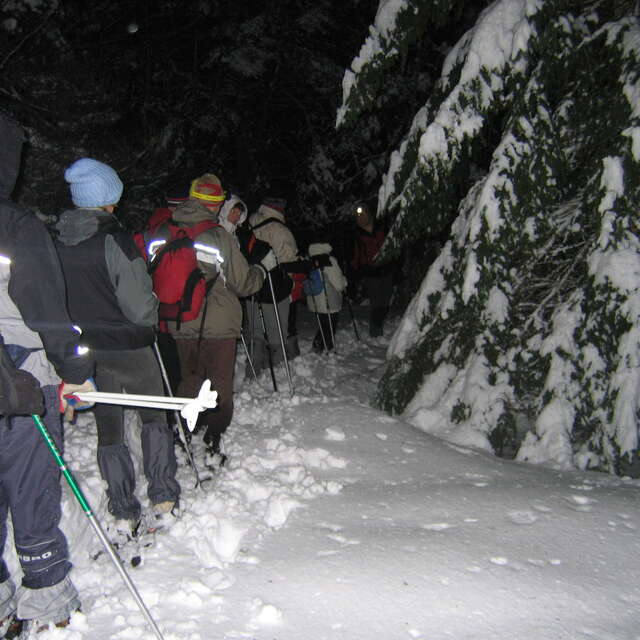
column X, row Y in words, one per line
column 333, row 520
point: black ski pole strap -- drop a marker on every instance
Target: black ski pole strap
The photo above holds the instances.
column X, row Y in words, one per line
column 266, row 222
column 203, row 317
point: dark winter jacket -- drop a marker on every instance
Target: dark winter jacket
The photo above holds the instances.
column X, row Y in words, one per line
column 34, row 322
column 366, row 248
column 109, row 291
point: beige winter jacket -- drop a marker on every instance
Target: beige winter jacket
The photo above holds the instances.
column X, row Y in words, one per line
column 277, row 235
column 236, row 279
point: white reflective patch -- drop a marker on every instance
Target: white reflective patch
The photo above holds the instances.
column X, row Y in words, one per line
column 208, row 254
column 5, row 260
column 77, row 329
column 81, row 350
column 154, row 245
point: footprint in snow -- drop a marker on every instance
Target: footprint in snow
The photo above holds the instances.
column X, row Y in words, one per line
column 522, row 517
column 580, row 503
column 341, row 539
column 331, row 527
column 334, row 433
column 437, row 526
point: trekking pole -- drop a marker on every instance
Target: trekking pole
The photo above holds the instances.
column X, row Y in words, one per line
column 266, row 342
column 353, row 320
column 326, row 299
column 77, row 492
column 252, row 321
column 176, row 413
column 315, row 310
column 249, row 360
column 189, row 408
column 284, row 351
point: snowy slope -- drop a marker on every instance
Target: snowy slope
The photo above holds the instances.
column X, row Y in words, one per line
column 335, row 521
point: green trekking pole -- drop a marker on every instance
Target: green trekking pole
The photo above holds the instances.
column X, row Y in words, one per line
column 77, row 492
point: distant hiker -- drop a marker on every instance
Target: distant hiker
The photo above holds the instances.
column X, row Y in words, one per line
column 376, row 280
column 110, row 298
column 268, row 226
column 40, row 347
column 326, row 300
column 207, row 341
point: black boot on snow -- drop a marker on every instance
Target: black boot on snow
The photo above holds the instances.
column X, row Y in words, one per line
column 214, row 457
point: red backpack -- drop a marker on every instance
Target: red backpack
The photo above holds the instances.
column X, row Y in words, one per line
column 177, row 279
column 158, row 217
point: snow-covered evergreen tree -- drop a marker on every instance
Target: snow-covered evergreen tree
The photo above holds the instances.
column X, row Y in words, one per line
column 524, row 334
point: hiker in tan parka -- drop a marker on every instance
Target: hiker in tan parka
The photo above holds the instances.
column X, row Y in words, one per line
column 207, row 346
column 268, row 224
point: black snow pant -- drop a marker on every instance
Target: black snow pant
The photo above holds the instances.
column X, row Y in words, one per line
column 30, row 488
column 135, row 371
column 379, row 290
column 325, row 331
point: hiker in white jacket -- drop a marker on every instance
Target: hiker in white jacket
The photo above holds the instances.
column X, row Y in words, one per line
column 326, row 299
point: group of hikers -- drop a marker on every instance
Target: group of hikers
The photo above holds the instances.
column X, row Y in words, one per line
column 86, row 305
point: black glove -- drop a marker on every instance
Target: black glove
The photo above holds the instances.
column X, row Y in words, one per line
column 321, row 260
column 297, row 266
column 269, row 262
column 259, row 251
column 20, row 392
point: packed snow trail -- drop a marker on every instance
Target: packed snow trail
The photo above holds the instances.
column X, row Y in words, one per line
column 332, row 520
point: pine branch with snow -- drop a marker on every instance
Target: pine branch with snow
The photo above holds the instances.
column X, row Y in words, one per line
column 524, row 333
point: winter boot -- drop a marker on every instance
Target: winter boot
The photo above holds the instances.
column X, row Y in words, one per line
column 11, row 627
column 292, row 348
column 123, row 531
column 40, row 627
column 214, row 457
column 163, row 516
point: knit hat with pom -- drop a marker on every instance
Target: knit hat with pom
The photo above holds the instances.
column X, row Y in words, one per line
column 93, row 183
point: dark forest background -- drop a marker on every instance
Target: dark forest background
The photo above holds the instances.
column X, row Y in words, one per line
column 166, row 90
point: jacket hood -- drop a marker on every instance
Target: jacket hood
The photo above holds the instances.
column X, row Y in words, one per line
column 10, row 150
column 192, row 211
column 319, row 248
column 265, row 212
column 229, row 203
column 76, row 225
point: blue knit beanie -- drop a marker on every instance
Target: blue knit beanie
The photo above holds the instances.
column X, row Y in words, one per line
column 93, row 183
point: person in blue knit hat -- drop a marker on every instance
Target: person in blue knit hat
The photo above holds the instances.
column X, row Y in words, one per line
column 110, row 297
column 93, row 184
